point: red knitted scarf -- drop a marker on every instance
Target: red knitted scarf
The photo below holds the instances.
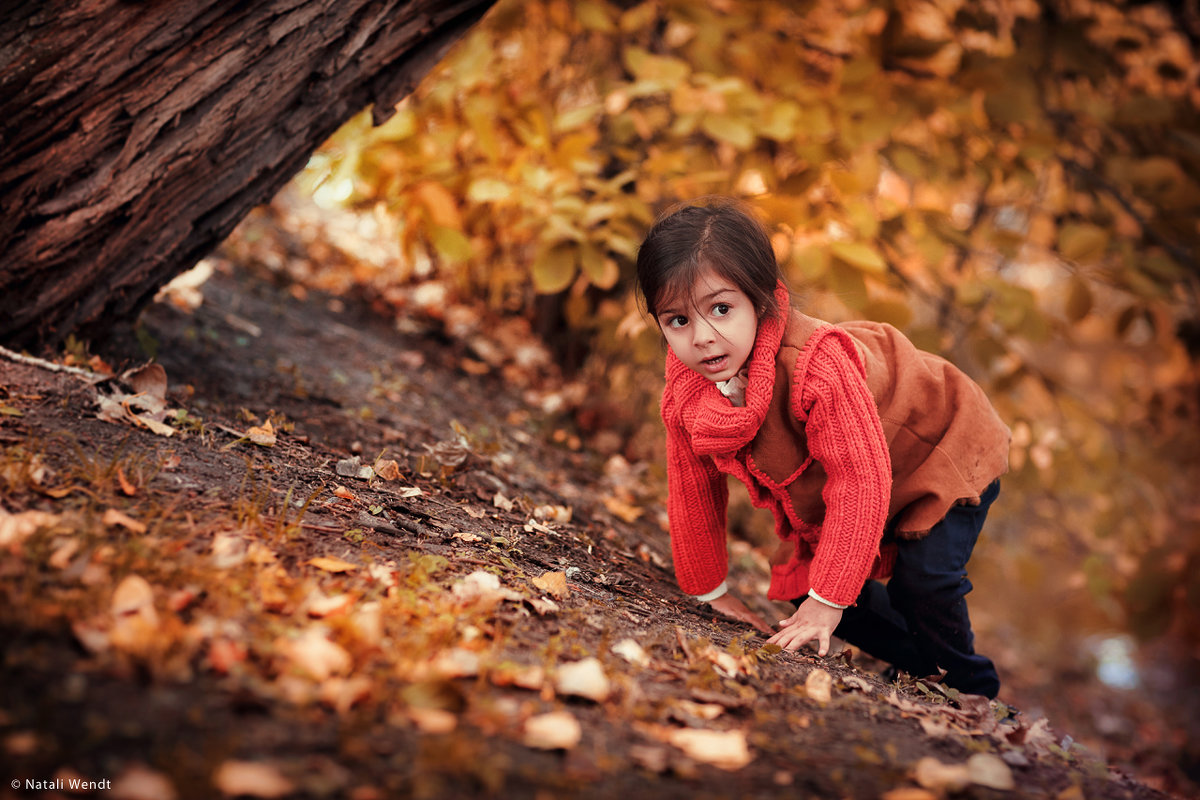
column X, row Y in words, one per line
column 715, row 425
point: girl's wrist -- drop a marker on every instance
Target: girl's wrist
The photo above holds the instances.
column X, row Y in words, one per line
column 813, row 594
column 708, row 597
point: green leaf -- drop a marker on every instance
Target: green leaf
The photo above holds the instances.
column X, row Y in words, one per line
column 811, row 263
column 451, row 245
column 732, row 130
column 1079, row 300
column 859, row 255
column 594, row 16
column 663, row 72
column 1082, row 242
column 602, row 272
column 892, row 312
column 554, row 268
column 488, row 190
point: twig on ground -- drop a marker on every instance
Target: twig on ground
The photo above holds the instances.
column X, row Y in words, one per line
column 41, row 363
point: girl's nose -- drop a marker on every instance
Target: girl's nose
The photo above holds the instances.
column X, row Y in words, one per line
column 703, row 334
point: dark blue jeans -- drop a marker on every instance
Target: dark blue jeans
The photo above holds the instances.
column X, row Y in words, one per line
column 918, row 622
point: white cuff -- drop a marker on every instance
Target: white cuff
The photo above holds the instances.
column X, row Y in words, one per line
column 714, row 594
column 813, row 594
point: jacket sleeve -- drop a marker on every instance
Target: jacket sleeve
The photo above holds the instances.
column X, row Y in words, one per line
column 845, row 434
column 697, row 496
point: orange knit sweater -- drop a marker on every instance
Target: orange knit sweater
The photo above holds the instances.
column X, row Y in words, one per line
column 810, row 446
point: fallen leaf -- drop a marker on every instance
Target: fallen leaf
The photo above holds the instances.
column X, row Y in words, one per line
column 632, row 652
column 15, row 528
column 855, row 682
column 313, row 652
column 61, row 557
column 988, row 769
column 343, row 492
column 113, row 517
column 556, row 730
column 933, row 774
column 252, row 778
column 553, row 582
column 654, row 759
column 531, row 677
column 455, row 663
column 367, row 623
column 410, row 491
column 139, row 782
column 133, row 595
column 128, row 488
column 463, row 536
column 228, row 551
column 543, row 605
column 342, row 694
column 819, row 685
column 584, row 678
column 484, row 588
column 330, row 564
column 704, row 711
column 908, row 793
column 433, row 720
column 622, row 510
column 224, row 654
column 387, row 469
column 503, row 503
column 725, row 750
column 263, row 435
column 135, row 621
column 321, row 605
column 548, row 513
column 150, row 381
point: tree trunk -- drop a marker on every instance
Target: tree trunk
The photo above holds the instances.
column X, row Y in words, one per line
column 134, row 135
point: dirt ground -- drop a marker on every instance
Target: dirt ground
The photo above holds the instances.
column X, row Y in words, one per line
column 243, row 610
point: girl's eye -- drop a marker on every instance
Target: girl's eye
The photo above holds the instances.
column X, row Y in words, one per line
column 677, row 321
column 720, row 309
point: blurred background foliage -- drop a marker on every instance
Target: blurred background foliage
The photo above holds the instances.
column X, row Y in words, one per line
column 1014, row 184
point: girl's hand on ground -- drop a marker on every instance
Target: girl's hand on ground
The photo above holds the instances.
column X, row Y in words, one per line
column 734, row 608
column 812, row 620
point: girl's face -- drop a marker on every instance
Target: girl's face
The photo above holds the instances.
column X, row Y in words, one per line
column 712, row 331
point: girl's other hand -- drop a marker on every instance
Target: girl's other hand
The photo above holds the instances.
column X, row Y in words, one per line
column 734, row 608
column 812, row 620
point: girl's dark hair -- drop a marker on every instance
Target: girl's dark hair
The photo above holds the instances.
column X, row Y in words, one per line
column 716, row 233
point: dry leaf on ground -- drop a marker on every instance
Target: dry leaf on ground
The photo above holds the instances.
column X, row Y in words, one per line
column 14, row 528
column 387, row 469
column 554, row 583
column 632, row 652
column 584, row 678
column 113, row 517
column 313, row 653
column 726, row 750
column 482, row 587
column 557, row 730
column 933, row 774
column 330, row 564
column 139, row 782
column 263, row 435
column 819, row 685
column 252, row 778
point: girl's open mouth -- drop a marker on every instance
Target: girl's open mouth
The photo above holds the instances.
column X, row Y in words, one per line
column 715, row 364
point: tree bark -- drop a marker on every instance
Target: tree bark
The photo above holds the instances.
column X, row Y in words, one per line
column 135, row 134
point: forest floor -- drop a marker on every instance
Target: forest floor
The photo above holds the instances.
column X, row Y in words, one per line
column 360, row 566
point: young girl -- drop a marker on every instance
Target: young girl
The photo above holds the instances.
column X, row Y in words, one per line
column 877, row 459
